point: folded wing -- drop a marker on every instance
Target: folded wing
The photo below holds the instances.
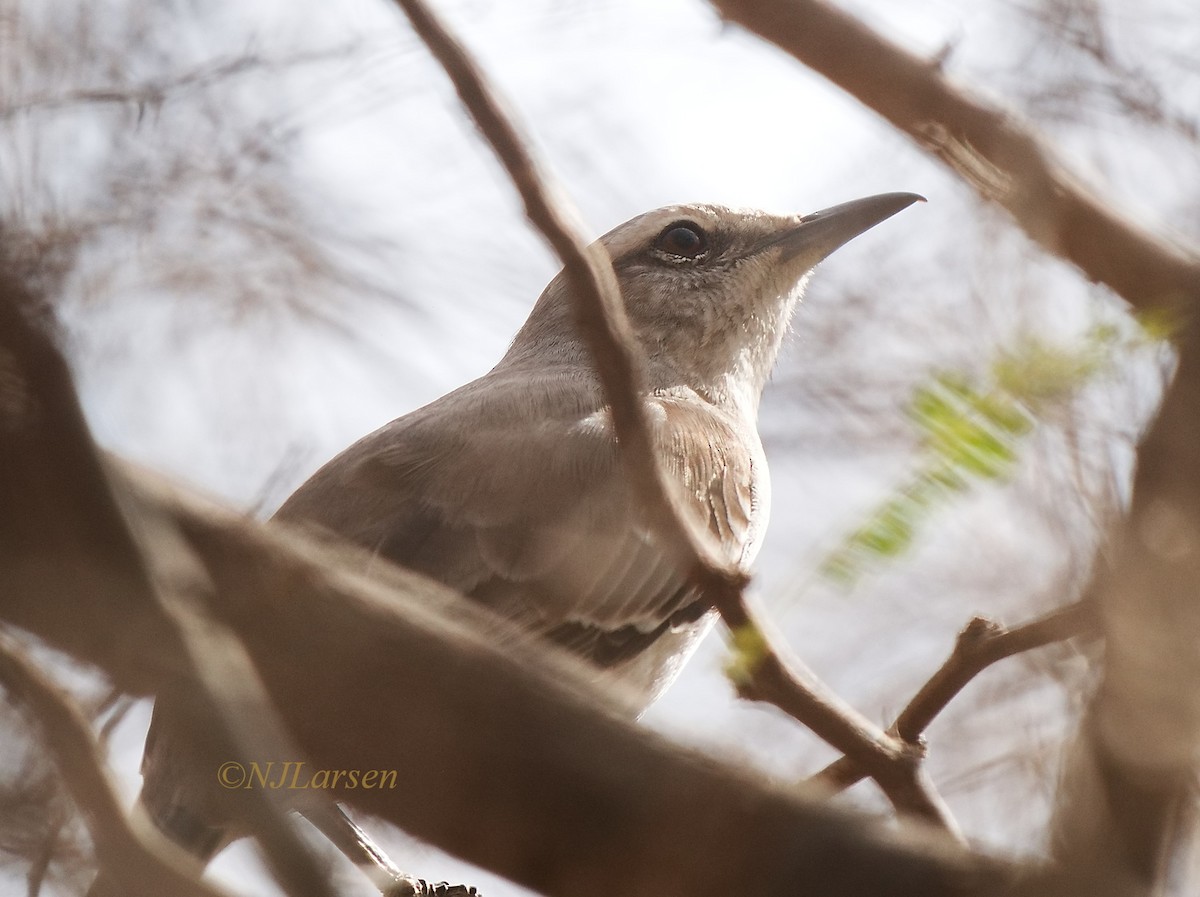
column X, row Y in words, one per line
column 511, row 491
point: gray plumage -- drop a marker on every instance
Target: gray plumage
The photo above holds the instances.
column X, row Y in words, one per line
column 510, row 489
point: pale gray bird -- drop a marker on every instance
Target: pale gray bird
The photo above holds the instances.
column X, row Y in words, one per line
column 510, row 489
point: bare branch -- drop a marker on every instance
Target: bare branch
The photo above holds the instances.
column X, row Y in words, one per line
column 1132, row 774
column 789, row 685
column 989, row 147
column 150, row 94
column 40, row 402
column 133, row 845
column 158, row 91
column 599, row 310
column 604, row 326
column 980, row 644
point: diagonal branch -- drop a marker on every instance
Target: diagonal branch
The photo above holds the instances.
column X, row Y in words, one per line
column 599, row 309
column 988, row 146
column 600, row 315
column 980, row 644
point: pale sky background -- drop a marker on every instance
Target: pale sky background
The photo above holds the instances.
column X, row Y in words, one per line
column 635, row 105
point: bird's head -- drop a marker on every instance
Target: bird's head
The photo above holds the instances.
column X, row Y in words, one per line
column 709, row 290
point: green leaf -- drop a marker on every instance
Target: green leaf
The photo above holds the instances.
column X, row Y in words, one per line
column 971, row 431
column 748, row 649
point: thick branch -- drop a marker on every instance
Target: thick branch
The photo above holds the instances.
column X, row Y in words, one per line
column 513, row 771
column 1132, row 774
column 63, row 521
column 980, row 644
column 988, row 146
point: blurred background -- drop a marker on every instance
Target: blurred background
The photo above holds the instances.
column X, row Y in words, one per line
column 267, row 228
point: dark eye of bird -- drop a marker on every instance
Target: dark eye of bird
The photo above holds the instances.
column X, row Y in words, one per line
column 683, row 240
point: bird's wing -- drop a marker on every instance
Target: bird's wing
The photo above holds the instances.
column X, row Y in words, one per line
column 511, row 491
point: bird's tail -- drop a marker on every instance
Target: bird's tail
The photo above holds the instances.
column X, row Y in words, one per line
column 182, row 826
column 178, row 799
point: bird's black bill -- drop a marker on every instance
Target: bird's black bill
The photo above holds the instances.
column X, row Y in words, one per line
column 819, row 234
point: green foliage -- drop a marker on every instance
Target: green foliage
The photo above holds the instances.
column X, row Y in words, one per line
column 971, row 431
column 748, row 648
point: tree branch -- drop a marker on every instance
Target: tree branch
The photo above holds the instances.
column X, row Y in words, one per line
column 62, row 514
column 788, row 684
column 980, row 644
column 155, row 93
column 989, row 147
column 599, row 309
column 1131, row 776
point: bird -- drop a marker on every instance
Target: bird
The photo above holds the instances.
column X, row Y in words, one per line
column 511, row 489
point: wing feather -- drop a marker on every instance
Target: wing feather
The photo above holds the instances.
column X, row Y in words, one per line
column 511, row 491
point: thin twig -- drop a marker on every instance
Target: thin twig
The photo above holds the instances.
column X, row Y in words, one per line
column 121, row 843
column 604, row 326
column 157, row 93
column 117, row 705
column 980, row 644
column 600, row 312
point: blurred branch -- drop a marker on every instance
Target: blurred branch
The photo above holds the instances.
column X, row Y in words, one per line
column 35, row 877
column 989, row 147
column 230, row 708
column 1131, row 777
column 1125, row 789
column 157, row 92
column 980, row 644
column 132, row 845
column 502, row 756
column 601, row 318
column 150, row 94
column 185, row 162
column 1129, row 87
column 43, row 426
